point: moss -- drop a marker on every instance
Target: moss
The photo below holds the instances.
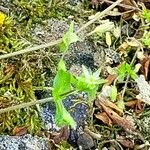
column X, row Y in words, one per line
column 21, row 75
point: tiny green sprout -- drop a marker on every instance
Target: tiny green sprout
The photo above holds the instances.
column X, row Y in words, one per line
column 121, row 104
column 89, row 82
column 68, row 38
column 124, row 70
column 146, row 39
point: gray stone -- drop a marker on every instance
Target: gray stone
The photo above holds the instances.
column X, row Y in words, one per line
column 26, row 142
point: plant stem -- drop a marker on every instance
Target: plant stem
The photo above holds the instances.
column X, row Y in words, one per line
column 24, row 105
column 34, row 48
column 31, row 49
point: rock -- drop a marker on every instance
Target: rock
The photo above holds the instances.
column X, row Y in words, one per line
column 85, row 141
column 26, row 142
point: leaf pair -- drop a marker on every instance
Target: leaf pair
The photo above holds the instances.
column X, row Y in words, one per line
column 63, row 83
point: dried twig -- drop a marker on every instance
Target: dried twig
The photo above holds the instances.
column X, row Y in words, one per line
column 31, row 49
column 24, row 105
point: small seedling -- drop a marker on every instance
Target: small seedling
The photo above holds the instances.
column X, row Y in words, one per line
column 124, row 70
column 89, row 82
column 65, row 82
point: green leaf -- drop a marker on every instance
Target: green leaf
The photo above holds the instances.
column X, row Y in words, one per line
column 113, row 93
column 124, row 70
column 89, row 82
column 86, row 72
column 96, row 74
column 68, row 38
column 61, row 84
column 146, row 39
column 133, row 75
column 61, row 65
column 62, row 116
column 63, row 47
column 71, row 28
column 131, row 72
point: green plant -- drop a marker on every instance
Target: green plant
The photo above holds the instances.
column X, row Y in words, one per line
column 146, row 14
column 124, row 70
column 64, row 82
column 89, row 82
column 146, row 39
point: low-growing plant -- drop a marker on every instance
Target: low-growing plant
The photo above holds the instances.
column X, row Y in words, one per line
column 65, row 82
column 124, row 70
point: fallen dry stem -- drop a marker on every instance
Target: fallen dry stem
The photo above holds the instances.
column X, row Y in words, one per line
column 27, row 50
column 23, row 105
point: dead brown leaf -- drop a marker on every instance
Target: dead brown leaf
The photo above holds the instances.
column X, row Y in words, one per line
column 100, row 100
column 129, row 7
column 137, row 104
column 19, row 131
column 131, row 103
column 145, row 65
column 62, row 135
column 125, row 142
column 124, row 123
column 110, row 109
column 104, row 118
column 139, row 107
column 110, row 79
